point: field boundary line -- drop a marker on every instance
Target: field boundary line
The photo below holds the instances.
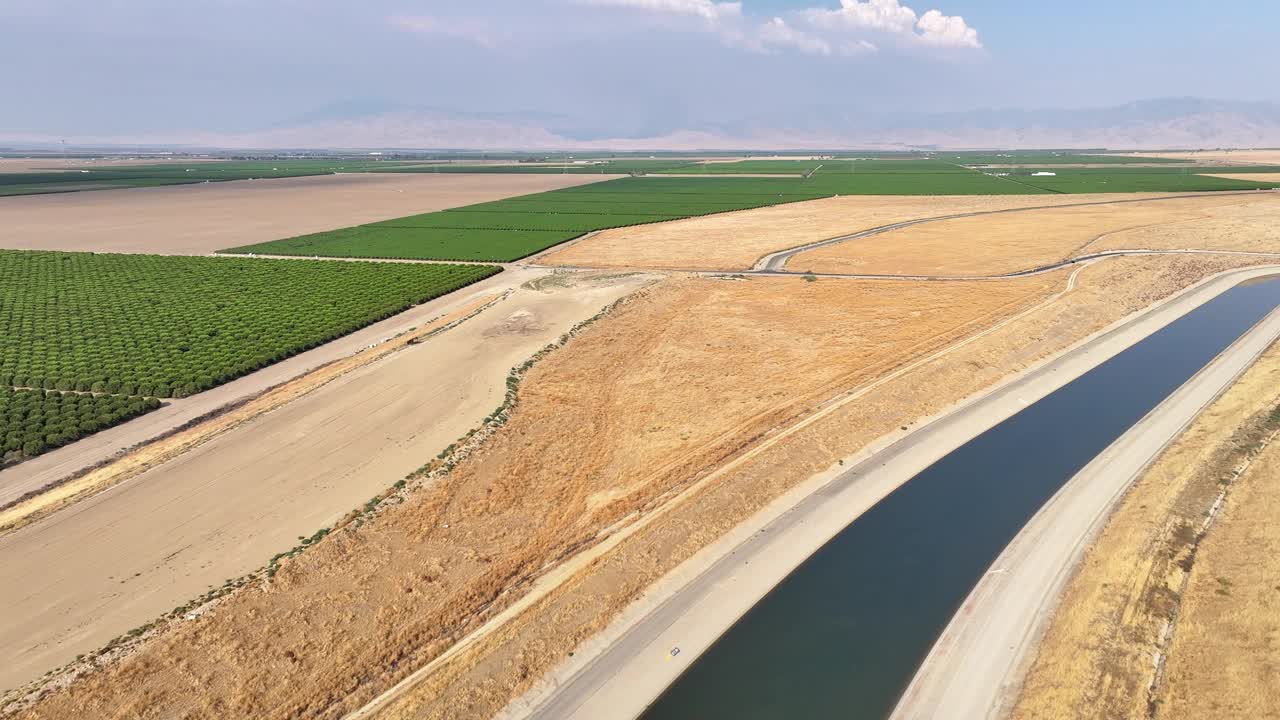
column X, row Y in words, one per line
column 400, row 261
column 1009, row 177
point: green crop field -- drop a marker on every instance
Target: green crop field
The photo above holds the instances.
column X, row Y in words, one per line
column 506, row 230
column 567, row 167
column 364, row 241
column 174, row 173
column 163, row 326
column 748, row 167
column 1129, row 179
column 54, row 180
column 1047, row 157
column 35, row 421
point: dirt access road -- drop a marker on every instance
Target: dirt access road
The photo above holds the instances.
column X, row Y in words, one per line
column 201, row 218
column 1014, row 239
column 984, row 651
column 100, row 447
column 109, row 563
column 619, row 675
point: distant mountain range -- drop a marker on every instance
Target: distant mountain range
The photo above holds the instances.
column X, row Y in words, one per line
column 1166, row 123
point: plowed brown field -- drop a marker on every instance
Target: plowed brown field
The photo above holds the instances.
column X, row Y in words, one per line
column 202, row 218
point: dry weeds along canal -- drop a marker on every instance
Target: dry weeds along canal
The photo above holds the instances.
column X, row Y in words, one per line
column 669, row 385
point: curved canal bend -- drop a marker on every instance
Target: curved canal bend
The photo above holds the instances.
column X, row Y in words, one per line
column 843, row 635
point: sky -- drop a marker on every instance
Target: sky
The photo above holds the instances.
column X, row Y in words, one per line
column 601, row 67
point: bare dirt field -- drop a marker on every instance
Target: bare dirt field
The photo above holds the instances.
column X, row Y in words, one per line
column 681, row 379
column 734, row 241
column 118, row 559
column 199, row 219
column 1243, row 157
column 1251, row 177
column 668, row 386
column 1096, row 660
column 1009, row 242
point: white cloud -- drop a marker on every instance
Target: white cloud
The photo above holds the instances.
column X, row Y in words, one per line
column 895, row 19
column 885, row 15
column 947, row 31
column 855, row 28
column 777, row 33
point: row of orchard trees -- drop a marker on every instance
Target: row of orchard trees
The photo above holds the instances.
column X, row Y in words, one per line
column 168, row 326
column 33, row 421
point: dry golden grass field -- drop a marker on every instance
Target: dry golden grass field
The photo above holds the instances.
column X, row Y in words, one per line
column 1144, row 572
column 734, row 241
column 673, row 383
column 1008, row 242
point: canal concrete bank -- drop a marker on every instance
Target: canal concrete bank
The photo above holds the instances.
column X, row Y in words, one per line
column 977, row 664
column 618, row 674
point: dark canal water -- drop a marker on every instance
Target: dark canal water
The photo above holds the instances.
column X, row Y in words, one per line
column 843, row 635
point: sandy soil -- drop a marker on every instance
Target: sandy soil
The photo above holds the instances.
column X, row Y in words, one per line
column 1244, row 157
column 1014, row 241
column 1251, row 177
column 1225, row 655
column 734, row 241
column 1096, row 659
column 202, row 218
column 667, row 399
column 120, row 558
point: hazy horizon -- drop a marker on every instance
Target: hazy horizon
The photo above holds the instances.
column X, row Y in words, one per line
column 578, row 72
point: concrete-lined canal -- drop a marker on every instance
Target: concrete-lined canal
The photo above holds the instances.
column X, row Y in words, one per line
column 844, row 633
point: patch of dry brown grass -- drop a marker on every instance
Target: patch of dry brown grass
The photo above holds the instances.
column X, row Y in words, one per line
column 669, row 386
column 1096, row 659
column 1224, row 661
column 507, row 663
column 1008, row 242
column 734, row 241
column 646, row 401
